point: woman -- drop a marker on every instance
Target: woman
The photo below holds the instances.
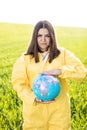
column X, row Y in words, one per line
column 43, row 56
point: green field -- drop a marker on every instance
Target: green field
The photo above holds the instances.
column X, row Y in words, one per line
column 14, row 40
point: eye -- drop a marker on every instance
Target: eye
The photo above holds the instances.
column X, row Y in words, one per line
column 39, row 35
column 47, row 35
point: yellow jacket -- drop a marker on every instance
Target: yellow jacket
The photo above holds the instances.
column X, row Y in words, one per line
column 26, row 70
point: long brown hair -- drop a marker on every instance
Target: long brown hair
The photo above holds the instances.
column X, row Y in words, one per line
column 33, row 49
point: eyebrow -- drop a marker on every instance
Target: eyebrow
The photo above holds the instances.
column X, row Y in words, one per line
column 42, row 34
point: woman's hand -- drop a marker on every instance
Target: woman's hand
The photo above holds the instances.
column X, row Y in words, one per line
column 44, row 102
column 53, row 72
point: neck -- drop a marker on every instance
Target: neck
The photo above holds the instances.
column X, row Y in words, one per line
column 42, row 51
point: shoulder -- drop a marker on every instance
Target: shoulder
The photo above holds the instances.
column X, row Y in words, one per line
column 23, row 58
column 21, row 62
column 20, row 59
column 65, row 51
column 62, row 50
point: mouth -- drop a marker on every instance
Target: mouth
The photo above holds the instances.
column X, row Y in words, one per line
column 43, row 44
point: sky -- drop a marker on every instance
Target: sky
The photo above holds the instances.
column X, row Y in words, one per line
column 71, row 13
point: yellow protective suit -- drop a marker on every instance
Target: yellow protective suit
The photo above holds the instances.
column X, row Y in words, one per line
column 51, row 116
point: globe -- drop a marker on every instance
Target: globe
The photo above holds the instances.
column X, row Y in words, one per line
column 46, row 87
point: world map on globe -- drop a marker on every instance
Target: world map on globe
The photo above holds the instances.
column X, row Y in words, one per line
column 46, row 87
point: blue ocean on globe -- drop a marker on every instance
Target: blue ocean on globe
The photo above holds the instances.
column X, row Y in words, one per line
column 46, row 87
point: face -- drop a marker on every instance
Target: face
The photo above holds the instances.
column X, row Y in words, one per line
column 43, row 39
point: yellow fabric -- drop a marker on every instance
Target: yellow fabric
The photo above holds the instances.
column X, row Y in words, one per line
column 52, row 116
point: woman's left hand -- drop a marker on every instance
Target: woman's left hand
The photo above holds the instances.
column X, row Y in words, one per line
column 53, row 72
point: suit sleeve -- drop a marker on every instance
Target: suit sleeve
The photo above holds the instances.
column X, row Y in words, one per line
column 73, row 68
column 20, row 81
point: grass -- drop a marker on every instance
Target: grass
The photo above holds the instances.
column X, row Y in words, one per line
column 74, row 39
column 14, row 40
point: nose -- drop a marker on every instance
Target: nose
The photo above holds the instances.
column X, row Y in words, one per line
column 43, row 38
